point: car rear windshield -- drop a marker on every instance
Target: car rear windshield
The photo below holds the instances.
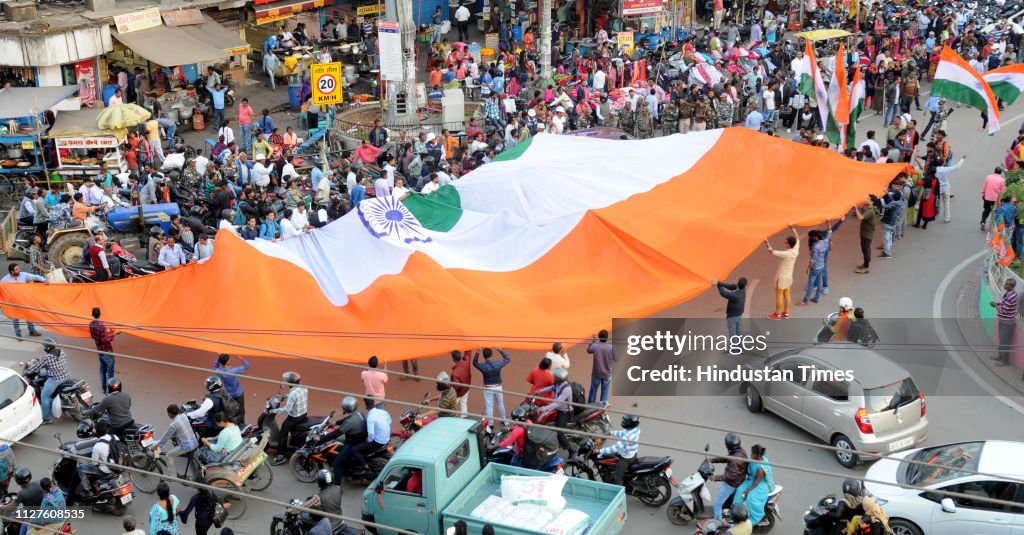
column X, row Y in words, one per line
column 963, row 456
column 891, row 396
column 11, row 390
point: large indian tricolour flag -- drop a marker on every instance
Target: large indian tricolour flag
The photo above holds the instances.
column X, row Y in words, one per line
column 547, row 244
column 956, row 80
column 1007, row 83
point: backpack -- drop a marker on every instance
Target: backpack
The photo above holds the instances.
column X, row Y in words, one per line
column 912, row 197
column 579, row 395
column 118, row 451
column 231, row 408
column 539, row 447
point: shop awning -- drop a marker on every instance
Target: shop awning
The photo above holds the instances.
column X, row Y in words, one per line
column 821, row 35
column 183, row 45
column 270, row 11
column 80, row 124
column 18, row 102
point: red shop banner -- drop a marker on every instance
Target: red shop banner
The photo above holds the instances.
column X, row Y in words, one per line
column 641, row 7
column 85, row 73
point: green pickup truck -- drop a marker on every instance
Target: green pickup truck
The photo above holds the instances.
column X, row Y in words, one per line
column 448, row 458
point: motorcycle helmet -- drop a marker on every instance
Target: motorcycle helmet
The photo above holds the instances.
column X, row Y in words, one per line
column 174, row 175
column 518, row 414
column 156, row 232
column 852, row 487
column 348, row 405
column 323, row 477
column 561, row 375
column 291, row 378
column 846, row 303
column 228, row 214
column 630, row 421
column 732, row 441
column 49, row 345
column 214, row 383
column 114, row 385
column 738, row 513
column 85, row 429
column 196, row 210
column 22, row 476
column 586, row 447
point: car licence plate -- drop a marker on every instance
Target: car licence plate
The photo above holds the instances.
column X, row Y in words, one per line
column 899, row 444
column 126, row 499
column 148, row 442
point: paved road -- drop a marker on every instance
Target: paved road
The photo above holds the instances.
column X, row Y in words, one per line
column 926, row 262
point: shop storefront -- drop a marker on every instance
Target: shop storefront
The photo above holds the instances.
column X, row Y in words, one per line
column 22, row 125
column 81, row 146
column 270, row 17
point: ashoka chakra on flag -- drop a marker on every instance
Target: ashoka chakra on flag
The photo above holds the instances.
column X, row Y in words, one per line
column 388, row 217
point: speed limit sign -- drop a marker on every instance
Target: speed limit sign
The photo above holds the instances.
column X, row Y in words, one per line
column 326, row 78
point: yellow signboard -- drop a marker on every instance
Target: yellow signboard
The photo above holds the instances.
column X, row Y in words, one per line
column 625, row 40
column 374, row 9
column 326, row 81
column 138, row 20
column 27, row 145
column 274, row 18
column 491, row 40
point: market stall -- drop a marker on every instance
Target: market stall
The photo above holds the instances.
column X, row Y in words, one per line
column 21, row 126
column 82, row 146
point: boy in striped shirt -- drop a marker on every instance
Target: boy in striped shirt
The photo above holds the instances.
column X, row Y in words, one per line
column 626, row 448
column 1006, row 321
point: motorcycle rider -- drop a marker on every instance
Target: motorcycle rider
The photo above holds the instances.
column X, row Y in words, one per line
column 295, row 409
column 117, row 405
column 563, row 396
column 227, row 221
column 112, row 259
column 852, row 504
column 842, row 324
column 517, row 435
column 740, row 522
column 156, row 240
column 29, row 497
column 100, row 453
column 327, row 499
column 378, row 434
column 352, row 426
column 625, row 449
column 55, row 362
column 212, row 404
column 735, row 472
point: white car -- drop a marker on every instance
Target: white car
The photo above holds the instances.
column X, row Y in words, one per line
column 913, row 512
column 20, row 411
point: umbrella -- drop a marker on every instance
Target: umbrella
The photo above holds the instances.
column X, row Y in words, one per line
column 122, row 116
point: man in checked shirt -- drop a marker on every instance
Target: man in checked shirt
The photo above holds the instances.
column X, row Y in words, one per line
column 626, row 448
column 103, row 336
column 295, row 407
column 56, row 365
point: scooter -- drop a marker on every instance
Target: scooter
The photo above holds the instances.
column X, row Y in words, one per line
column 648, row 478
column 297, row 522
column 695, row 501
column 71, row 396
column 819, row 518
column 110, row 493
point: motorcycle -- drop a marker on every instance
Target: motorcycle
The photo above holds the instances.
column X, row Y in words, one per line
column 315, row 453
column 110, row 493
column 127, row 266
column 648, row 478
column 297, row 522
column 825, row 334
column 695, row 501
column 266, row 425
column 507, row 456
column 71, row 396
column 411, row 421
column 590, row 420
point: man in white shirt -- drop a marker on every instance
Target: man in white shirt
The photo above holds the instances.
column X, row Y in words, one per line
column 171, row 255
column 201, row 162
column 977, row 64
column 261, row 172
column 300, row 218
column 91, row 193
column 432, row 186
column 599, row 79
column 462, row 21
column 872, row 145
column 559, row 356
column 381, row 188
column 558, row 119
column 288, row 172
column 389, row 171
column 288, row 229
column 227, row 132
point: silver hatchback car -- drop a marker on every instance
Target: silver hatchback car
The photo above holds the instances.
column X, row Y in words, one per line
column 879, row 411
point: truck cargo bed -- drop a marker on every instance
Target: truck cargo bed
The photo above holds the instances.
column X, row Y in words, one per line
column 605, row 504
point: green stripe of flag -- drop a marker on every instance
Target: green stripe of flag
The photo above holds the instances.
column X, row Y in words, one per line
column 958, row 92
column 439, row 211
column 1006, row 91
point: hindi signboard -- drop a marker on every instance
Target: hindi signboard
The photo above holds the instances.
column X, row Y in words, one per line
column 390, row 41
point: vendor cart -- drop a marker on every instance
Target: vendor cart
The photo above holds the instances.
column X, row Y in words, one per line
column 82, row 146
